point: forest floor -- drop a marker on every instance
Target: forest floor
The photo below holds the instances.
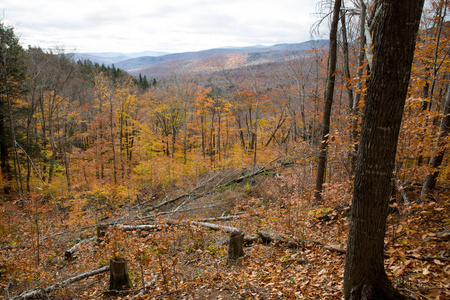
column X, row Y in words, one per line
column 179, row 259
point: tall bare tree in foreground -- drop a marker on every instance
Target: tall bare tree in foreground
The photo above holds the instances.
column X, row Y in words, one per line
column 329, row 94
column 395, row 36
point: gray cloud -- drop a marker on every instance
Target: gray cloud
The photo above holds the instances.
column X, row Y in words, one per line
column 170, row 25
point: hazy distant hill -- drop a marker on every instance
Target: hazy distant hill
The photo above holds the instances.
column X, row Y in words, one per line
column 109, row 58
column 157, row 64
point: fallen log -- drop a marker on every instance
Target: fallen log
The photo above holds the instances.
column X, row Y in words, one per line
column 137, row 227
column 250, row 239
column 336, row 247
column 217, row 186
column 225, row 218
column 69, row 253
column 187, row 194
column 244, row 177
column 269, row 236
column 216, row 227
column 144, row 290
column 43, row 291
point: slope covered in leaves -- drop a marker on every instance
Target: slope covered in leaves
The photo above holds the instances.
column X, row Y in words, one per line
column 181, row 260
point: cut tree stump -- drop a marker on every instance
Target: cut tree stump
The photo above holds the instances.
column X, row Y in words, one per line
column 101, row 232
column 118, row 274
column 236, row 246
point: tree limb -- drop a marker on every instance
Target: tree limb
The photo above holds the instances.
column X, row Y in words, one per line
column 42, row 291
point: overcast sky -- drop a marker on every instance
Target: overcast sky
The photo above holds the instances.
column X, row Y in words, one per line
column 157, row 25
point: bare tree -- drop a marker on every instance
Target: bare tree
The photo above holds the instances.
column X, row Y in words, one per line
column 436, row 161
column 329, row 94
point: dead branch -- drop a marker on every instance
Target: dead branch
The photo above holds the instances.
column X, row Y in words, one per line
column 226, row 218
column 336, row 247
column 137, row 227
column 244, row 177
column 402, row 191
column 71, row 251
column 147, row 286
column 269, row 236
column 42, row 291
column 194, row 196
column 441, row 236
column 430, row 258
column 250, row 239
column 187, row 194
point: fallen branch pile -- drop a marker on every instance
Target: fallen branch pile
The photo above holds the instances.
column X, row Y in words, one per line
column 193, row 193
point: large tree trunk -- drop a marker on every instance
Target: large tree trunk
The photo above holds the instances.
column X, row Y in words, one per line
column 322, row 164
column 365, row 277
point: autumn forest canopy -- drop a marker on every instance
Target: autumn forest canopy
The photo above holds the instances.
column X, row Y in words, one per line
column 178, row 176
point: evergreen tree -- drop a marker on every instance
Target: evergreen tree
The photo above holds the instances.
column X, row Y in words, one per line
column 145, row 84
column 12, row 77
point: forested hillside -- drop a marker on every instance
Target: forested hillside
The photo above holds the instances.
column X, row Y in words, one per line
column 205, row 183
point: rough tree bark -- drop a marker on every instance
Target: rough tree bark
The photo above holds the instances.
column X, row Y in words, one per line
column 322, row 164
column 236, row 246
column 118, row 274
column 365, row 277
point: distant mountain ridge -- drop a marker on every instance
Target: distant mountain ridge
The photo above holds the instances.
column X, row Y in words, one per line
column 159, row 64
column 109, row 58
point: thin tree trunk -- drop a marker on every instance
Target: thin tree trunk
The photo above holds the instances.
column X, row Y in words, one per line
column 218, row 135
column 255, row 134
column 111, row 131
column 359, row 74
column 436, row 67
column 174, row 133
column 202, row 124
column 185, row 137
column 322, row 164
column 280, row 123
column 122, row 146
column 365, row 277
column 436, row 161
column 17, row 169
column 67, row 163
column 346, row 61
column 4, row 153
column 51, row 136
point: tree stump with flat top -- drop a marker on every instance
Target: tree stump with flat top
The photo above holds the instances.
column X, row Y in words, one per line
column 118, row 274
column 236, row 245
